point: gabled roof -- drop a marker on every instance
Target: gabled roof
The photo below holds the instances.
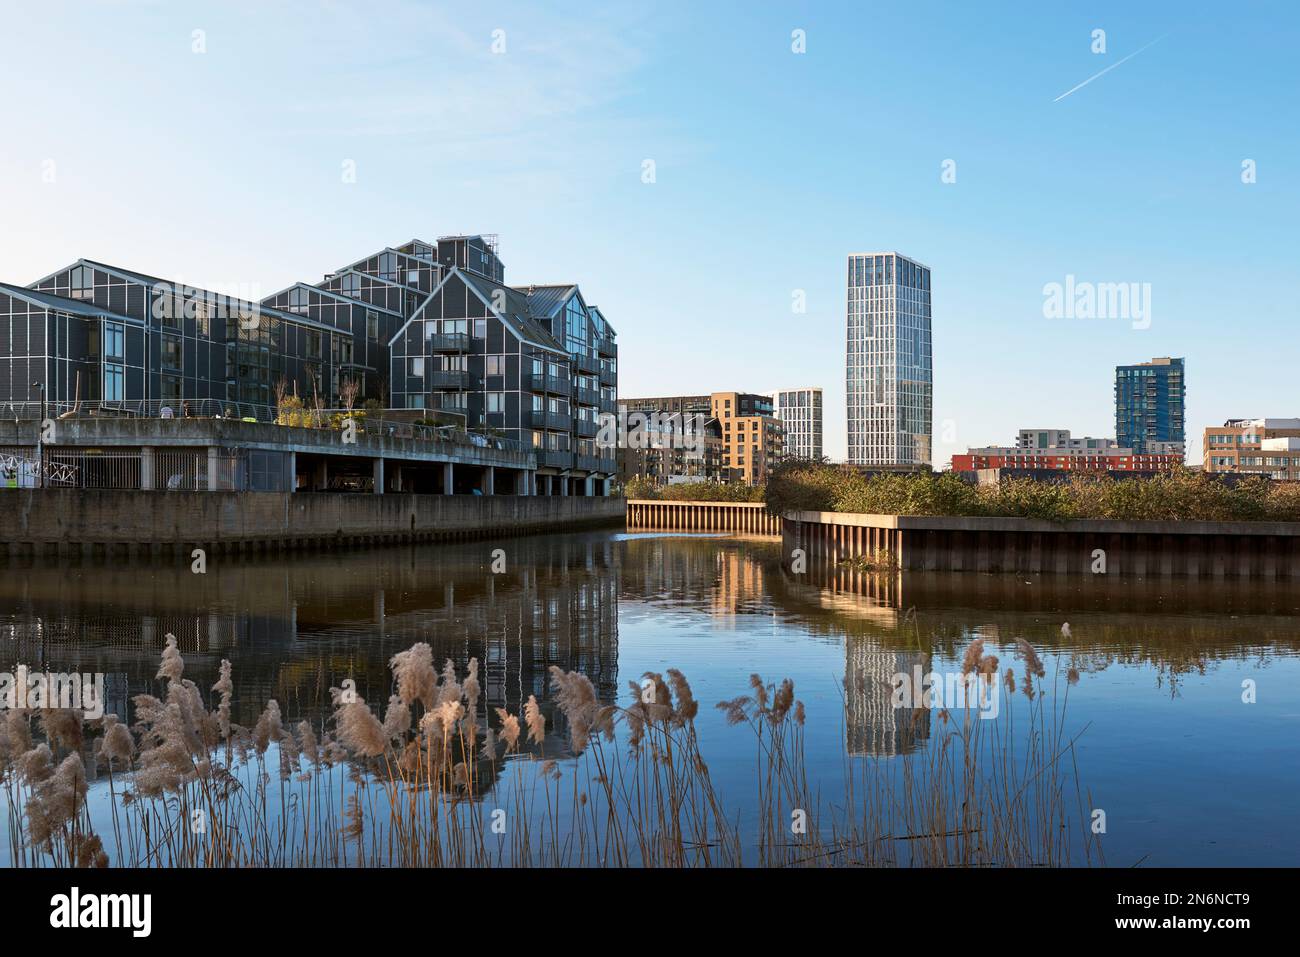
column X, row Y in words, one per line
column 77, row 307
column 515, row 316
column 334, row 295
column 545, row 301
column 140, row 277
column 390, row 249
column 348, row 270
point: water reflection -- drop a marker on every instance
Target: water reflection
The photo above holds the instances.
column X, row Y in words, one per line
column 292, row 629
column 1162, row 662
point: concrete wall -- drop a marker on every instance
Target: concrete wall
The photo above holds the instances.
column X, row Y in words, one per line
column 1241, row 550
column 744, row 517
column 44, row 520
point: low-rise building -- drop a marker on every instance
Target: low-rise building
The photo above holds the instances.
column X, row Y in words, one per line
column 1255, row 446
column 753, row 438
column 1057, row 449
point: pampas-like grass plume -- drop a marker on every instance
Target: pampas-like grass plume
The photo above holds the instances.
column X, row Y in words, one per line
column 226, row 688
column 687, row 707
column 416, row 678
column 117, row 744
column 534, row 720
column 358, row 729
column 509, row 730
column 268, row 727
column 576, row 697
column 173, row 665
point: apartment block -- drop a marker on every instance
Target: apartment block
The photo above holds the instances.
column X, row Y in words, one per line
column 1150, row 398
column 422, row 325
column 1057, row 449
column 889, row 376
column 1254, row 446
column 800, row 412
column 752, row 436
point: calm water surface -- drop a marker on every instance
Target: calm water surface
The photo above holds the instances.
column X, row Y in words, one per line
column 1187, row 773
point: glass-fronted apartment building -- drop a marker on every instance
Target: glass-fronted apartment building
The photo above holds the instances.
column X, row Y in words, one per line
column 533, row 363
column 889, row 376
column 1149, row 402
column 800, row 412
column 418, row 326
column 96, row 332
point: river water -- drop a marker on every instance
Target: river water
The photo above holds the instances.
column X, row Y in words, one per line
column 1186, row 706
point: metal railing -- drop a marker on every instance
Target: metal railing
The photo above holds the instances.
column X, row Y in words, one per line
column 367, row 422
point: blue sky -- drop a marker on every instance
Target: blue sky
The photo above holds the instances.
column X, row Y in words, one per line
column 225, row 167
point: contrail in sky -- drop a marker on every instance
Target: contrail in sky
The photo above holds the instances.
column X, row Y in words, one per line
column 1109, row 68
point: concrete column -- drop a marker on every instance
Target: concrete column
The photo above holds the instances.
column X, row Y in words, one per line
column 591, row 485
column 146, row 469
column 489, row 481
column 564, row 485
column 605, row 490
column 212, row 468
column 322, row 480
column 448, row 481
column 291, row 463
column 379, row 476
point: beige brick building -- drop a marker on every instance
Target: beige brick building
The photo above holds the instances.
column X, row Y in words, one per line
column 1264, row 446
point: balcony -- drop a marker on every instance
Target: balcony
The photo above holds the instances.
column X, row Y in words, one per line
column 588, row 397
column 554, row 459
column 547, row 383
column 608, row 376
column 558, row 421
column 587, row 428
column 590, row 463
column 449, row 342
column 608, row 406
column 450, row 379
column 585, row 363
column 607, row 347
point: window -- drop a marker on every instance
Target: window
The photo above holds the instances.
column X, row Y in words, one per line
column 113, row 379
column 495, row 365
column 313, row 345
column 480, row 328
column 417, row 366
column 203, row 318
column 171, row 387
column 496, row 401
column 83, row 282
column 372, row 325
column 113, row 336
column 171, row 351
column 413, row 277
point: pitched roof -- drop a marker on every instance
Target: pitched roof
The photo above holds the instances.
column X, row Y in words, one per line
column 77, row 307
column 154, row 280
column 516, row 313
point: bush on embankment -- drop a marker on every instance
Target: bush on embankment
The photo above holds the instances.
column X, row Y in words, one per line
column 1182, row 495
column 642, row 488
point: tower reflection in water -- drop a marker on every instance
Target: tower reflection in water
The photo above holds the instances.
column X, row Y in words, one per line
column 729, row 580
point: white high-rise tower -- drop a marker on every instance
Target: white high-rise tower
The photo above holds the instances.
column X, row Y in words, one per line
column 889, row 377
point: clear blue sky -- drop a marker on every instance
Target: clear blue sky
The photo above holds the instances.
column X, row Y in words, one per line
column 225, row 167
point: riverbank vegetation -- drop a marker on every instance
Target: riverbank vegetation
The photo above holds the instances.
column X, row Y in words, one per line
column 643, row 488
column 1181, row 495
column 431, row 779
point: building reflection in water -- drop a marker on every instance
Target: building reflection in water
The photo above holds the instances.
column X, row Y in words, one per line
column 294, row 628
